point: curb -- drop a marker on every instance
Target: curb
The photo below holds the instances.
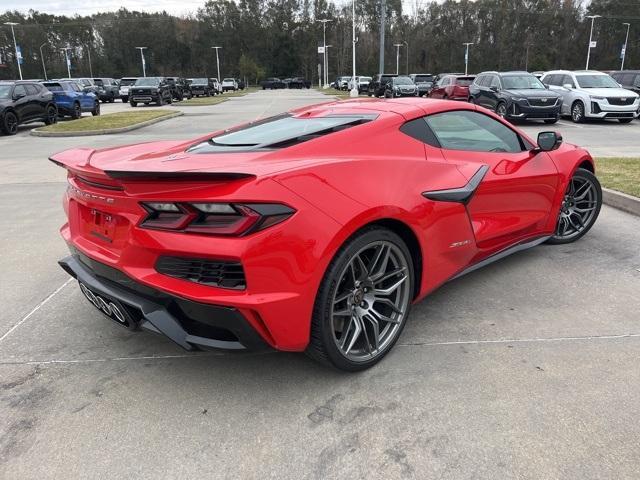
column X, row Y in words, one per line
column 37, row 133
column 621, row 201
column 206, row 104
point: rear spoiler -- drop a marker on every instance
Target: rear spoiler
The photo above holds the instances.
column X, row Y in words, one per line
column 79, row 164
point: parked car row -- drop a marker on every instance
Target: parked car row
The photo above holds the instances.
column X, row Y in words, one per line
column 274, row 83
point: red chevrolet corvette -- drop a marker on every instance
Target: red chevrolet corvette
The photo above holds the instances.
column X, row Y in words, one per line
column 314, row 230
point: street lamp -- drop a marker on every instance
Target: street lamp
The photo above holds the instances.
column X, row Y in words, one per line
column 217, row 61
column 406, row 44
column 624, row 49
column 326, row 71
column 89, row 55
column 15, row 46
column 44, row 68
column 68, row 60
column 324, row 45
column 397, row 45
column 144, row 66
column 466, row 56
column 592, row 17
column 354, row 88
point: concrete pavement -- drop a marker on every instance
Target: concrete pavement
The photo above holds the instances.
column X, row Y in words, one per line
column 526, row 369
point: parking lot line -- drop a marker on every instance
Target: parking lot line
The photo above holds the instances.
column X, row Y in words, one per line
column 522, row 340
column 35, row 309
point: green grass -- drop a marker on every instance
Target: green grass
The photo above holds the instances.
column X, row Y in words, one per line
column 201, row 101
column 332, row 92
column 621, row 174
column 108, row 121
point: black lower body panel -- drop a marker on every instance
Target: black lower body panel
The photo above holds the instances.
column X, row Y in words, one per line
column 192, row 325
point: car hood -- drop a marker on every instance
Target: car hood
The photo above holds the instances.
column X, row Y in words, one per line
column 609, row 92
column 532, row 92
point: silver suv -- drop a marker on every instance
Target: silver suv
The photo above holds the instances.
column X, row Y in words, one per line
column 591, row 94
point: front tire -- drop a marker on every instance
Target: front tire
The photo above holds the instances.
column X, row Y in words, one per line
column 580, row 207
column 363, row 302
column 9, row 124
column 76, row 112
column 577, row 112
column 501, row 109
column 96, row 110
column 133, row 104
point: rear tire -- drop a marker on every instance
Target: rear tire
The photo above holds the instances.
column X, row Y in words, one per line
column 52, row 115
column 373, row 260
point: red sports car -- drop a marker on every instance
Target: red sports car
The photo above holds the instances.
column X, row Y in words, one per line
column 314, row 230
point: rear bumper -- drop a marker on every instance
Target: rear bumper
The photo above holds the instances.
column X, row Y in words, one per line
column 190, row 324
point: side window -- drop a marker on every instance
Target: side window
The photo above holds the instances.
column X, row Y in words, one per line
column 485, row 81
column 551, row 80
column 74, row 87
column 494, row 82
column 31, row 89
column 567, row 80
column 419, row 130
column 473, row 131
column 19, row 90
column 636, row 81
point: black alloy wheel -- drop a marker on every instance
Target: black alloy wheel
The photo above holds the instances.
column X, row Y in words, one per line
column 52, row 115
column 363, row 302
column 580, row 207
column 10, row 123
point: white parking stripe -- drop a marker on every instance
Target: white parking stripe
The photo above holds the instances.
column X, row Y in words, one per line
column 522, row 340
column 35, row 309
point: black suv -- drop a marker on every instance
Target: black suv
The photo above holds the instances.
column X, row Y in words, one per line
column 629, row 79
column 378, row 83
column 424, row 82
column 400, row 86
column 24, row 102
column 180, row 88
column 150, row 89
column 273, row 83
column 201, row 86
column 109, row 89
column 515, row 96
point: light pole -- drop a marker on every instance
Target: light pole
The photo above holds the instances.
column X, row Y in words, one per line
column 624, row 49
column 90, row 68
column 15, row 46
column 466, row 56
column 592, row 17
column 406, row 44
column 397, row 45
column 44, row 68
column 354, row 88
column 144, row 66
column 68, row 60
column 325, row 63
column 217, row 61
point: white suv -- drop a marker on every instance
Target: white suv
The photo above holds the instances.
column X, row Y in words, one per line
column 229, row 84
column 591, row 94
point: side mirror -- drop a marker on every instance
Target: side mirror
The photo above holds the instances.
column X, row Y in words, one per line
column 493, row 88
column 548, row 141
column 18, row 96
column 568, row 86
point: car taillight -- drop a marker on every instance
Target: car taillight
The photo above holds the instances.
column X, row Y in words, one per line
column 229, row 219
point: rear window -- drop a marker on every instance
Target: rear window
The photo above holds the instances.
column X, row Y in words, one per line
column 279, row 131
column 423, row 78
column 54, row 87
column 464, row 81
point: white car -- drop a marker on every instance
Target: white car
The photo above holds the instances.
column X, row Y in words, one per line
column 361, row 82
column 125, row 84
column 229, row 84
column 591, row 94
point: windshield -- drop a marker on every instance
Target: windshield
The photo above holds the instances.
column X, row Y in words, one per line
column 148, row 82
column 53, row 87
column 424, row 78
column 516, row 82
column 402, row 81
column 228, row 80
column 128, row 81
column 279, row 128
column 596, row 81
column 5, row 91
column 365, row 79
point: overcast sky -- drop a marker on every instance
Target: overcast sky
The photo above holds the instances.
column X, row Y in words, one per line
column 86, row 7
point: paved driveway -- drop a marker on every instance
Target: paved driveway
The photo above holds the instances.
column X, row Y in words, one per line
column 527, row 369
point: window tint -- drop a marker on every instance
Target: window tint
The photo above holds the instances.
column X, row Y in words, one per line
column 74, row 87
column 567, row 80
column 31, row 89
column 419, row 130
column 494, row 82
column 19, row 90
column 473, row 131
column 550, row 79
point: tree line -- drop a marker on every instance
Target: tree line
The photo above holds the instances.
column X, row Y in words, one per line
column 261, row 38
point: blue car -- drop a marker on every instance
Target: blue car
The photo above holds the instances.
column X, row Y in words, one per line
column 71, row 100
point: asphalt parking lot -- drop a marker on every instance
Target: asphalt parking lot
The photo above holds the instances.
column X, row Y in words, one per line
column 526, row 369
